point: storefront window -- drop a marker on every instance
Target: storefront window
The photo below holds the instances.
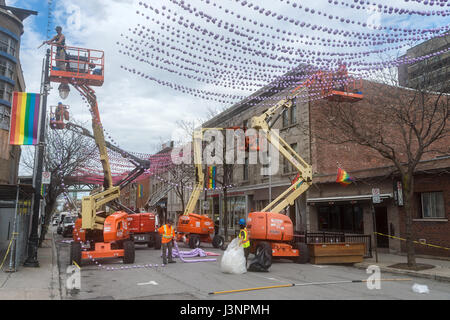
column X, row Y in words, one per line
column 236, row 211
column 342, row 218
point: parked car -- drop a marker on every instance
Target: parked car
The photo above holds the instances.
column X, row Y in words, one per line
column 68, row 225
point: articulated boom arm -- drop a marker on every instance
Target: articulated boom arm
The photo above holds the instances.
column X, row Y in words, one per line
column 200, row 177
column 91, row 204
column 304, row 169
column 141, row 165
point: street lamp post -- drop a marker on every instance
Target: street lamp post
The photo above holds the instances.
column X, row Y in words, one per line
column 33, row 240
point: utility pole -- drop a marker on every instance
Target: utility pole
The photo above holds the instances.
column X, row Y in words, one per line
column 33, row 240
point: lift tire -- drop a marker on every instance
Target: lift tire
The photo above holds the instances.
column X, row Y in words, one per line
column 151, row 240
column 304, row 252
column 264, row 254
column 75, row 253
column 194, row 241
column 157, row 240
column 128, row 252
column 218, row 241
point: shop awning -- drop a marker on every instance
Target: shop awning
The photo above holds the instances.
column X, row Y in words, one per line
column 366, row 197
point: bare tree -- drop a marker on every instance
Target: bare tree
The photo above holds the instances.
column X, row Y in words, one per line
column 402, row 125
column 66, row 152
column 182, row 176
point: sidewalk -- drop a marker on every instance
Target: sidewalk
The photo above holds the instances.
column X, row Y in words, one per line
column 440, row 272
column 33, row 283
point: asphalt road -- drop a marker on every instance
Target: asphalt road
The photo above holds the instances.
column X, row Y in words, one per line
column 193, row 281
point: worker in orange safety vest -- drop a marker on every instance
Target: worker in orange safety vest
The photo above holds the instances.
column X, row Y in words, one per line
column 168, row 234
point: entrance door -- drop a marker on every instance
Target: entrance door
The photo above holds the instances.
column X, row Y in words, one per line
column 382, row 227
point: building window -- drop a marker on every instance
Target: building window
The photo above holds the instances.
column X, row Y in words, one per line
column 8, row 44
column 294, row 113
column 287, row 167
column 6, row 68
column 432, row 205
column 4, row 118
column 289, row 116
column 343, row 218
column 6, row 91
column 285, row 117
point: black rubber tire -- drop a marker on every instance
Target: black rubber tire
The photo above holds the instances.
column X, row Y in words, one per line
column 194, row 241
column 157, row 240
column 128, row 254
column 75, row 253
column 151, row 240
column 264, row 253
column 304, row 252
column 218, row 241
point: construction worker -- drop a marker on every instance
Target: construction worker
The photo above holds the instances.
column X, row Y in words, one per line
column 60, row 41
column 168, row 234
column 244, row 240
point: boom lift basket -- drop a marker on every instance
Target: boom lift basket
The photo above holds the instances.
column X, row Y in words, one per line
column 81, row 65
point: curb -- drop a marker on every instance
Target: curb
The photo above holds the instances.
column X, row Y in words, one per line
column 405, row 272
column 56, row 285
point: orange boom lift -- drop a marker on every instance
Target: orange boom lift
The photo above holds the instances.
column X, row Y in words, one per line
column 271, row 232
column 104, row 235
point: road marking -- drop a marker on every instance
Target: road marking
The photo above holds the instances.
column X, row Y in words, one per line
column 150, row 282
column 314, row 265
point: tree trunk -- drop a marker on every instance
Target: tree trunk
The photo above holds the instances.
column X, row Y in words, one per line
column 408, row 187
column 49, row 207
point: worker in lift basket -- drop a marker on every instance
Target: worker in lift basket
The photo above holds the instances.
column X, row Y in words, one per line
column 244, row 241
column 168, row 234
column 60, row 41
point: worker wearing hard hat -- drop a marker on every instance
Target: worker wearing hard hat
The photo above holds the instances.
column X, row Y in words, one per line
column 244, row 240
column 168, row 234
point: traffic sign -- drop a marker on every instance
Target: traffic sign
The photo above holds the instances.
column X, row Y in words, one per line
column 46, row 177
column 376, row 195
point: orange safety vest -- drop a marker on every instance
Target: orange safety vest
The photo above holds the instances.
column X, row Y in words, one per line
column 167, row 233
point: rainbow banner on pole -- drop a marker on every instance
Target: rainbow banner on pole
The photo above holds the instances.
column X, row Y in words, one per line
column 24, row 118
column 343, row 177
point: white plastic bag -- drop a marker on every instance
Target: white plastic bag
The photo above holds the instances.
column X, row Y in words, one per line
column 233, row 260
column 420, row 288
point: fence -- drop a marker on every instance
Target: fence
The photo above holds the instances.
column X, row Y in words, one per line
column 336, row 237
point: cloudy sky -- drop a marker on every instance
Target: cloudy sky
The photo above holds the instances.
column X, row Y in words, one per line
column 141, row 113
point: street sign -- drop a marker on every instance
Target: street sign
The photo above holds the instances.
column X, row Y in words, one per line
column 46, row 177
column 376, row 195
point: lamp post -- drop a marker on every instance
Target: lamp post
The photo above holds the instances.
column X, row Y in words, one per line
column 33, row 240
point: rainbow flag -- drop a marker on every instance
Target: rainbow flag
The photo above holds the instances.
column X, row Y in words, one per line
column 343, row 178
column 212, row 177
column 140, row 191
column 296, row 182
column 24, row 118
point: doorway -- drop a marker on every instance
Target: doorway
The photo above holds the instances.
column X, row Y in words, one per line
column 382, row 226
